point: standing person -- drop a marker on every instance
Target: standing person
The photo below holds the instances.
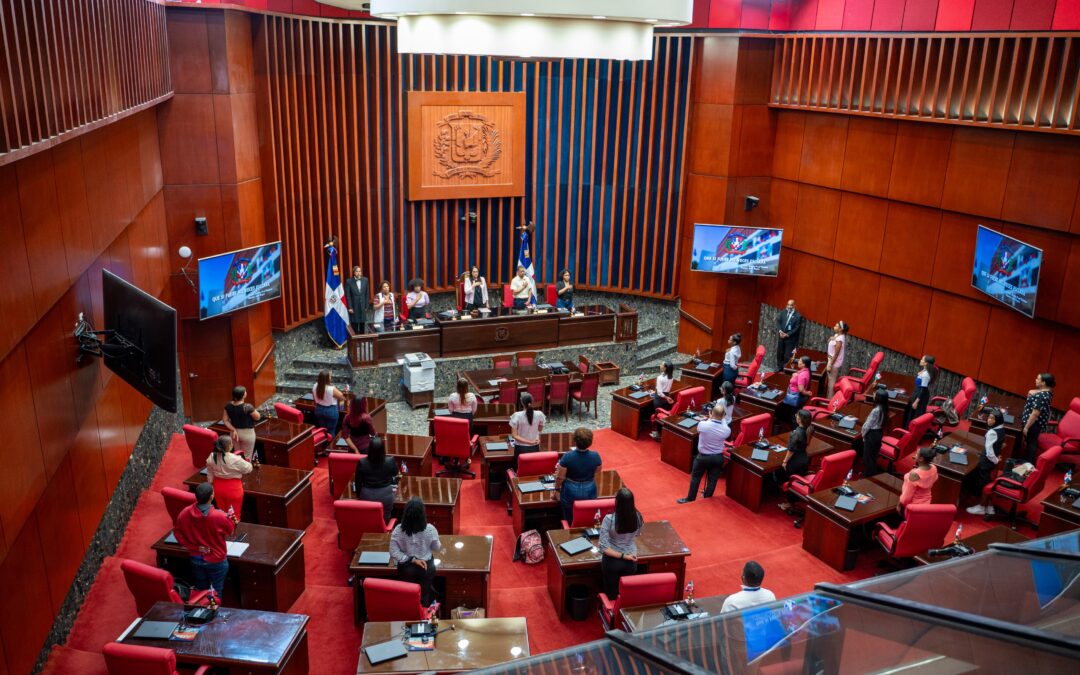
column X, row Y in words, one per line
column 796, row 462
column 837, row 347
column 928, row 373
column 412, row 545
column 564, row 289
column 526, row 425
column 385, row 306
column 712, row 433
column 476, row 291
column 618, row 547
column 375, row 477
column 873, row 429
column 240, row 418
column 463, row 403
column 797, row 393
column 788, row 330
column 731, row 358
column 752, row 594
column 224, row 470
column 357, row 427
column 919, row 483
column 417, row 300
column 357, row 298
column 201, row 529
column 993, row 442
column 1037, row 413
column 521, row 288
column 575, row 476
column 326, row 398
column 662, row 392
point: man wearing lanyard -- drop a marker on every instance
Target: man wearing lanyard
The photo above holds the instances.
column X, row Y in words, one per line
column 752, row 593
column 788, row 328
column 710, row 458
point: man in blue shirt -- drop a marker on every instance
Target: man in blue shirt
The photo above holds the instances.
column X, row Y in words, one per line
column 710, row 458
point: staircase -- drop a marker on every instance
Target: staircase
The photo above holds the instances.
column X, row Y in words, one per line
column 653, row 349
column 300, row 376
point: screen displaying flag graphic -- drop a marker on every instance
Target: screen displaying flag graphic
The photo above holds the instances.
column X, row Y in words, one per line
column 525, row 260
column 335, row 315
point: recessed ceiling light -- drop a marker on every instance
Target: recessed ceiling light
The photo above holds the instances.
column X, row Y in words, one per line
column 527, row 14
column 651, row 20
column 460, row 12
column 600, row 17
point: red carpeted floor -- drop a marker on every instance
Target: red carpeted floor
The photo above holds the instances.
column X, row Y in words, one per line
column 721, row 534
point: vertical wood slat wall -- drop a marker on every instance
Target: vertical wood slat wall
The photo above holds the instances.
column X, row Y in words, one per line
column 1017, row 81
column 604, row 164
column 68, row 66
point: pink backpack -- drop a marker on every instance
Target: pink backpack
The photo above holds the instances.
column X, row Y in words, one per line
column 530, row 548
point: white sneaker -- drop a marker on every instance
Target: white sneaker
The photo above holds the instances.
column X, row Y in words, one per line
column 977, row 510
column 990, row 509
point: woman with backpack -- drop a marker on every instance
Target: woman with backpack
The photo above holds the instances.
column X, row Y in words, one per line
column 618, row 534
column 412, row 545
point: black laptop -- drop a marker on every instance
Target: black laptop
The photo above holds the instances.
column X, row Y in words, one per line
column 155, row 630
column 771, row 395
column 688, row 423
column 385, row 651
column 576, row 545
column 531, row 486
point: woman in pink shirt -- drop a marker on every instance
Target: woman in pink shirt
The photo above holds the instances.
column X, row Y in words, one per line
column 797, row 393
column 919, row 483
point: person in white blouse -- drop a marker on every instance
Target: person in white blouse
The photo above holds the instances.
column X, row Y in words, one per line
column 526, row 425
column 385, row 309
column 521, row 288
column 462, row 402
column 662, row 392
column 731, row 357
column 837, row 347
column 476, row 292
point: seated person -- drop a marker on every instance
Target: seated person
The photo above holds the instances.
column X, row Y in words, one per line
column 375, row 477
column 752, row 593
column 919, row 483
column 412, row 545
column 462, row 402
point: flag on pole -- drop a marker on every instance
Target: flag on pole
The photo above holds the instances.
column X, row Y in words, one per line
column 335, row 314
column 525, row 260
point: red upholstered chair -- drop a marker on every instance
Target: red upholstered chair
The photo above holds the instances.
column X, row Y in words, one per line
column 529, row 464
column 502, row 361
column 403, row 307
column 537, row 388
column 508, row 296
column 635, row 591
column 925, row 526
column 903, row 442
column 583, row 364
column 459, row 292
column 759, row 356
column 525, row 359
column 1011, row 495
column 551, row 295
column 842, row 396
column 861, row 377
column 1066, row 433
column 834, row 468
column 148, row 585
column 176, row 500
column 392, row 600
column 454, row 446
column 288, row 413
column 508, row 392
column 355, row 518
column 341, row 467
column 585, row 512
column 587, row 393
column 200, row 442
column 960, row 400
column 559, row 394
column 748, row 431
column 746, row 378
column 122, row 659
column 684, row 400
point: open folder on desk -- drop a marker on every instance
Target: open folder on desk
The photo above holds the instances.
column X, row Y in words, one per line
column 236, row 548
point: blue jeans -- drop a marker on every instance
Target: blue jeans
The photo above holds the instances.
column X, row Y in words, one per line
column 573, row 491
column 519, row 303
column 326, row 416
column 730, row 373
column 209, row 574
column 564, row 304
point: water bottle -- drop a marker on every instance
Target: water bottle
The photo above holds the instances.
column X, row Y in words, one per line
column 959, row 531
column 404, row 468
column 690, row 592
column 761, row 433
column 761, row 379
column 212, row 603
column 1068, row 478
column 232, row 515
column 847, row 478
column 596, row 520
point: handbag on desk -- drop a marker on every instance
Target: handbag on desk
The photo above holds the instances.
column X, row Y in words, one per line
column 792, row 398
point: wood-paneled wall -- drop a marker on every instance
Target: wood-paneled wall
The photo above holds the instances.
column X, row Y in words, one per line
column 604, row 163
column 89, row 203
column 72, row 65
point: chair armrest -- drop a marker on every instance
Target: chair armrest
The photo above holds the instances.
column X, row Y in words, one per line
column 197, row 597
column 606, row 604
column 474, row 440
column 938, row 399
column 803, row 480
column 818, row 402
column 1073, row 442
column 861, row 371
column 390, row 524
column 565, row 525
column 1012, row 484
column 203, row 670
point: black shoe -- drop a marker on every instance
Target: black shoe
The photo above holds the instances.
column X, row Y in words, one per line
column 684, row 500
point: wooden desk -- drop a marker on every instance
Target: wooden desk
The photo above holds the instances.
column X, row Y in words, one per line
column 590, row 323
column 440, row 497
column 281, row 443
column 818, row 360
column 491, row 419
column 542, row 510
column 628, row 414
column 647, row 617
column 376, row 408
column 495, row 463
column 948, row 488
column 752, row 396
column 480, row 380
column 710, row 376
column 399, row 339
column 273, row 495
column 462, row 571
column 904, row 385
column 746, row 478
column 827, row 530
column 237, row 641
column 678, row 445
column 1002, row 534
column 660, row 549
column 503, row 328
column 843, row 439
column 268, row 576
column 1058, row 516
column 473, row 644
column 414, row 451
column 1008, row 404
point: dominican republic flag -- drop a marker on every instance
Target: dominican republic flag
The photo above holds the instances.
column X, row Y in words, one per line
column 335, row 315
column 525, row 260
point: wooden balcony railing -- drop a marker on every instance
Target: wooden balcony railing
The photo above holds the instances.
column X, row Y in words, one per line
column 626, row 324
column 363, row 350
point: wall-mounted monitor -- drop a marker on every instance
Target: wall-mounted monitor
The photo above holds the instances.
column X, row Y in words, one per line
column 1007, row 270
column 141, row 343
column 725, row 249
column 239, row 279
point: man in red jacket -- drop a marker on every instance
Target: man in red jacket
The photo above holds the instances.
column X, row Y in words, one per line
column 201, row 529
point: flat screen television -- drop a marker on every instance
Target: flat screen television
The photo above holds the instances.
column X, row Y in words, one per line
column 724, row 249
column 140, row 343
column 1007, row 270
column 239, row 279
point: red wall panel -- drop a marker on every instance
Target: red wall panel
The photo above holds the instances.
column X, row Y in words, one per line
column 978, row 170
column 810, row 283
column 816, row 214
column 921, row 15
column 911, row 235
column 1008, row 333
column 992, row 14
column 853, row 296
column 23, row 479
column 823, row 142
column 787, row 148
column 1068, row 307
column 25, row 611
column 803, row 14
column 42, row 229
column 16, row 292
column 1055, row 246
column 1033, row 14
column 952, row 272
column 1043, row 179
column 47, row 345
column 725, row 13
column 88, row 471
column 1067, row 15
column 858, row 14
column 58, row 521
column 868, row 156
column 755, row 15
column 955, row 15
column 900, row 320
column 888, row 15
column 1065, row 366
column 956, row 332
column 918, row 171
column 860, row 231
column 830, row 15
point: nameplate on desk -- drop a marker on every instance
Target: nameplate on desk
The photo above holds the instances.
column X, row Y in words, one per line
column 846, row 503
column 688, row 423
column 760, row 455
column 170, row 538
column 847, row 422
column 442, row 412
column 638, row 395
column 958, row 458
column 341, row 443
column 676, row 610
column 493, row 447
column 374, row 558
column 763, row 445
column 531, row 486
column 416, row 328
column 203, row 471
column 714, row 365
column 576, row 545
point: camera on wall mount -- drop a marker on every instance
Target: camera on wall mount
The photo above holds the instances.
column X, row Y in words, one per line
column 751, row 202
